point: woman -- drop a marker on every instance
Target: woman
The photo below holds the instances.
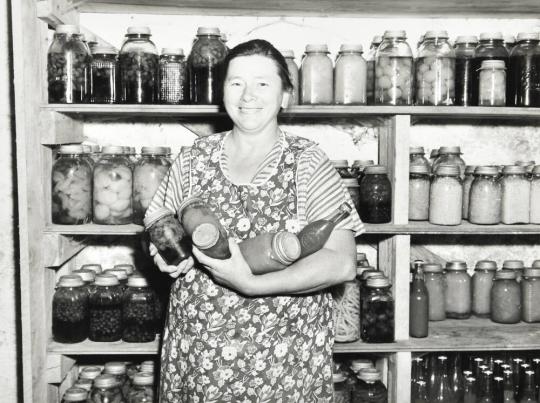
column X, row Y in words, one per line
column 231, row 335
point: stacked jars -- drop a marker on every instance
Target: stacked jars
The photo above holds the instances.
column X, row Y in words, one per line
column 138, row 67
column 375, row 195
column 294, row 74
column 350, row 76
column 464, row 50
column 172, row 76
column 70, row 310
column 435, row 70
column 316, row 76
column 523, row 72
column 394, row 70
column 104, row 76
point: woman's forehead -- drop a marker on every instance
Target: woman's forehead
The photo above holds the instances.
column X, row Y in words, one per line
column 253, row 65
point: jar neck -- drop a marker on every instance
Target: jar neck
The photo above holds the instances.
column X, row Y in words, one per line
column 491, row 42
column 138, row 36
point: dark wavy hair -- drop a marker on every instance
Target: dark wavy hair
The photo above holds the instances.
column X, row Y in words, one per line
column 262, row 48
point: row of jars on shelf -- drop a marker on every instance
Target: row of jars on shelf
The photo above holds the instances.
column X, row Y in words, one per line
column 475, row 377
column 116, row 382
column 111, row 187
column 358, row 381
column 508, row 295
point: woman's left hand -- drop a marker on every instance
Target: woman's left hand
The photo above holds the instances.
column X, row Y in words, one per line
column 234, row 272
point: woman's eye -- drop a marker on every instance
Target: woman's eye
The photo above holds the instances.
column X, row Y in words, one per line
column 263, row 84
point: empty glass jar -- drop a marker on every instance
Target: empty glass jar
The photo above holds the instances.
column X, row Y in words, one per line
column 350, row 76
column 316, row 76
column 70, row 310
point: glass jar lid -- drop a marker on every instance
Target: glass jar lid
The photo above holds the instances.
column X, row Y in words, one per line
column 172, row 51
column 532, row 272
column 456, row 265
column 432, row 268
column 137, row 281
column 514, row 170
column 95, row 267
column 105, row 381
column 115, row 368
column 143, row 379
column 449, row 170
column 527, row 36
column 351, row 47
column 375, row 170
column 119, row 273
column 416, row 150
column 486, row 265
column 487, row 170
column 138, row 30
column 205, row 235
column 513, row 264
column 155, row 150
column 369, row 374
column 436, row 34
column 360, row 363
column 492, row 64
column 104, row 50
column 487, row 36
column 90, row 373
column 338, row 377
column 419, row 169
column 317, row 47
column 70, row 280
column 75, row 395
column 106, row 280
column 88, row 276
column 466, row 39
column 67, row 29
column 340, row 163
column 208, row 31
column 399, row 33
column 112, row 150
column 449, row 150
column 505, row 275
column 71, row 149
column 377, row 282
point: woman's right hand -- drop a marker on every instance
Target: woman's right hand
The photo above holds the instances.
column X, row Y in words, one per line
column 174, row 271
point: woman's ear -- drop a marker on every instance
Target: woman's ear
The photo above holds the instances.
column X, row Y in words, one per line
column 285, row 100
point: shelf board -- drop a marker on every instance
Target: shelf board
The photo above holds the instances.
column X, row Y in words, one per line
column 422, row 227
column 346, row 8
column 94, row 229
column 88, row 347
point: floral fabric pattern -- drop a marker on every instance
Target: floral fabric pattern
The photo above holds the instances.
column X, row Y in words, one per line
column 219, row 346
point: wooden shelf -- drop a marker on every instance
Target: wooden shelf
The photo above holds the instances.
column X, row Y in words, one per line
column 94, row 229
column 345, row 8
column 88, row 347
column 422, row 227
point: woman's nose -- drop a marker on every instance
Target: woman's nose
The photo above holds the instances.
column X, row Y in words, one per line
column 249, row 93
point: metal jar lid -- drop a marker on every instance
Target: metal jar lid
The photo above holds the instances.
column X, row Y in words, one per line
column 67, row 29
column 377, row 39
column 485, row 36
column 287, row 53
column 71, row 149
column 362, row 163
column 90, row 373
column 128, row 268
column 492, row 64
column 338, row 377
column 527, row 36
column 286, row 246
column 143, row 379
column 514, row 170
column 115, row 368
column 456, row 265
column 432, row 268
column 375, row 170
column 105, row 381
column 104, row 50
column 466, row 39
column 88, row 276
column 339, row 163
column 351, row 47
column 505, row 275
column 138, row 30
column 112, row 150
column 75, row 395
column 450, row 150
column 350, row 182
column 137, row 281
column 436, row 34
column 147, row 366
column 70, row 280
column 513, row 264
column 399, row 33
column 205, row 235
column 532, row 272
column 360, row 363
column 208, row 31
column 95, row 267
column 155, row 150
column 119, row 273
column 156, row 215
column 369, row 374
column 317, row 47
column 106, row 280
column 487, row 170
column 172, row 51
column 376, row 282
column 486, row 265
column 416, row 150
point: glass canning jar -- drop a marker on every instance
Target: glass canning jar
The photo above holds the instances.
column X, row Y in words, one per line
column 292, row 67
column 377, row 319
column 67, row 67
column 419, row 184
column 464, row 49
column 148, row 173
column 417, row 157
column 95, row 267
column 358, row 167
column 113, row 180
column 70, row 310
column 445, row 196
column 90, row 373
column 523, row 71
column 354, row 190
column 138, row 311
column 370, row 65
column 435, row 70
column 104, row 78
column 316, row 76
column 370, row 389
column 516, row 190
column 71, row 187
column 534, row 213
column 350, row 76
column 106, row 309
column 450, row 156
column 509, row 42
column 482, row 280
column 127, row 267
column 375, row 195
column 490, row 47
column 172, row 76
column 142, row 390
column 121, row 275
column 435, row 284
column 88, row 277
column 394, row 70
column 204, row 66
column 458, row 290
column 106, row 390
column 75, row 395
column 492, row 83
column 118, row 369
column 467, row 182
column 342, row 168
column 505, row 298
column 485, row 196
column 138, row 62
column 517, row 266
column 530, row 295
column 341, row 390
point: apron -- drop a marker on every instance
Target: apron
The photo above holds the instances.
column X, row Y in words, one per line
column 219, row 346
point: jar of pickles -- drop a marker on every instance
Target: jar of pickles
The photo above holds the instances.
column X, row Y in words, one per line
column 435, row 70
column 104, row 77
column 516, row 190
column 205, row 64
column 446, row 196
column 492, row 83
column 138, row 67
column 138, row 311
column 106, row 390
column 482, row 280
column 70, row 310
column 377, row 319
column 75, row 395
column 419, row 184
column 172, row 76
column 147, row 176
column 316, row 76
column 142, row 390
column 485, row 196
column 106, row 309
column 394, row 70
column 435, row 284
column 113, row 180
column 350, row 76
column 375, row 195
column 450, row 156
column 464, row 50
column 67, row 67
column 119, row 371
column 505, row 298
column 534, row 205
column 417, row 157
column 530, row 295
column 370, row 64
column 467, row 183
column 458, row 290
column 71, row 187
column 523, row 76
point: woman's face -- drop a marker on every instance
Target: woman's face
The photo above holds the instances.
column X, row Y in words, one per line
column 253, row 93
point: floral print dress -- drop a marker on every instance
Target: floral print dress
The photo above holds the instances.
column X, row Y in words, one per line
column 219, row 346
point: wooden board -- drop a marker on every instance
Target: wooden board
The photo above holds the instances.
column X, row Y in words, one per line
column 464, row 229
column 95, row 229
column 88, row 347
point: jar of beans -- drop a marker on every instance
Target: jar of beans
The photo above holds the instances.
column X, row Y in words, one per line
column 138, row 311
column 485, row 196
column 464, row 49
column 138, row 67
column 492, row 83
column 172, row 76
column 377, row 319
column 370, row 64
column 106, row 309
column 75, row 395
column 104, row 78
column 394, row 70
column 316, row 76
column 516, row 190
column 67, row 67
column 294, row 74
column 435, row 70
column 70, row 310
column 71, row 187
column 350, row 76
column 106, row 389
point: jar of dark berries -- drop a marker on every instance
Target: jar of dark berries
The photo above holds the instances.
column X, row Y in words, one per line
column 104, row 77
column 121, row 275
column 70, row 310
column 75, row 395
column 119, row 371
column 106, row 390
column 138, row 311
column 106, row 309
column 377, row 323
column 142, row 390
column 375, row 195
column 138, row 67
column 88, row 277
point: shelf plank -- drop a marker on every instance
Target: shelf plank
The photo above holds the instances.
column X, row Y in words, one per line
column 94, row 229
column 421, row 227
column 88, row 347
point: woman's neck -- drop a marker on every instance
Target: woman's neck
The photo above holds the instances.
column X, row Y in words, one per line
column 252, row 144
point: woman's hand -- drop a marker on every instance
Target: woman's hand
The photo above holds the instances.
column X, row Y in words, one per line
column 174, row 271
column 234, row 272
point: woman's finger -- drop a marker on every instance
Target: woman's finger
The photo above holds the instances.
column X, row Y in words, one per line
column 152, row 249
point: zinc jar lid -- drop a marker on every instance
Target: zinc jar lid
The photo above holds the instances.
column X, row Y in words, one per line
column 104, row 50
column 377, row 39
column 399, row 33
column 147, row 366
column 155, row 216
column 137, row 281
column 119, row 273
column 486, row 265
column 416, row 150
column 525, row 163
column 362, row 163
column 376, row 282
column 485, row 36
column 449, row 150
column 317, row 47
column 350, row 182
column 514, row 170
column 208, row 31
column 361, row 363
column 71, row 149
column 487, row 170
column 85, row 384
column 466, row 39
column 95, row 267
column 90, row 373
column 288, row 53
column 67, row 29
column 432, row 268
column 105, row 381
column 143, row 379
column 375, row 169
column 456, row 265
column 469, row 169
column 138, row 30
column 369, row 374
column 106, row 280
column 155, row 150
column 419, row 169
column 172, row 51
column 351, row 47
column 338, row 377
column 115, row 368
column 88, row 276
column 287, row 247
column 75, row 394
column 492, row 64
column 370, row 271
column 450, row 170
column 205, row 235
column 112, row 150
column 128, row 268
column 532, row 272
column 513, row 264
column 527, row 36
column 436, row 34
column 340, row 163
column 70, row 280
column 505, row 274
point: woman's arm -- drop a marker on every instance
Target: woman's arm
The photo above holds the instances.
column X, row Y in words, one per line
column 333, row 264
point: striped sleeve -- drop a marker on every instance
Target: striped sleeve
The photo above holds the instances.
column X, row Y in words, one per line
column 175, row 186
column 321, row 190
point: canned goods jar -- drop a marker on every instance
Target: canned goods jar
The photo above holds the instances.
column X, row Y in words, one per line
column 138, row 311
column 464, row 50
column 523, row 75
column 358, row 167
column 492, row 83
column 106, row 389
column 316, row 76
column 138, row 61
column 467, row 182
column 516, row 190
column 118, row 369
column 347, row 305
column 172, row 76
column 104, row 78
column 75, row 395
column 106, row 309
column 71, row 187
column 534, row 205
column 530, row 295
column 292, row 67
column 505, row 298
column 458, row 290
column 350, row 76
column 341, row 390
column 417, row 157
column 167, row 235
column 450, row 155
column 482, row 280
column 435, row 284
column 394, row 70
column 70, row 310
column 375, row 195
column 121, row 275
column 485, row 196
column 142, row 390
column 446, row 196
column 517, row 266
column 370, row 388
column 377, row 320
column 370, row 64
column 419, row 184
column 88, row 277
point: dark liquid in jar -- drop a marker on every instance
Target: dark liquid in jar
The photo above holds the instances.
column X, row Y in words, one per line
column 67, row 85
column 139, row 78
column 377, row 321
column 69, row 322
column 103, row 84
column 139, row 321
column 106, row 322
column 524, row 81
column 206, row 85
column 464, row 81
